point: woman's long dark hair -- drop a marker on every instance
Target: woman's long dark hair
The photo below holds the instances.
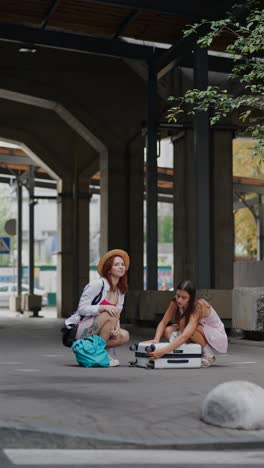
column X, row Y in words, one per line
column 122, row 283
column 188, row 286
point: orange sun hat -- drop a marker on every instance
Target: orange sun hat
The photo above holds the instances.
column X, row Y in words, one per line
column 113, row 253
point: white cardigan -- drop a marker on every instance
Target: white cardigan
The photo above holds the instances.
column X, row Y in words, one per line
column 85, row 307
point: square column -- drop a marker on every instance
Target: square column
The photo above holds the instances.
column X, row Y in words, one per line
column 73, row 244
column 83, row 243
column 122, row 192
column 202, row 174
column 65, row 268
column 184, row 208
column 222, row 209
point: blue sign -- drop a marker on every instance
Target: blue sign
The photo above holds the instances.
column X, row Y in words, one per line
column 4, row 245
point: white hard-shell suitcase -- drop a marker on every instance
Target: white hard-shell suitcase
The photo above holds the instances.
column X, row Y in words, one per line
column 188, row 355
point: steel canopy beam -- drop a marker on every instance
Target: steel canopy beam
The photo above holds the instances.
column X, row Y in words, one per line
column 164, row 61
column 74, row 42
column 238, row 204
column 248, row 188
column 173, row 56
column 122, row 27
column 215, row 63
column 51, row 11
column 10, row 159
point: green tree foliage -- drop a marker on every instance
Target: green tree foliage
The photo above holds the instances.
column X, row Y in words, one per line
column 243, row 163
column 246, row 49
column 166, row 229
column 244, row 221
column 245, row 232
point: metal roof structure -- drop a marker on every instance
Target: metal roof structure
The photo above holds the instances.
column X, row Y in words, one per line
column 145, row 20
column 14, row 161
column 117, row 28
column 150, row 31
column 107, row 27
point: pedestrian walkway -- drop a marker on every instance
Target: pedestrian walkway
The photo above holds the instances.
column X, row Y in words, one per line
column 48, row 402
column 133, row 457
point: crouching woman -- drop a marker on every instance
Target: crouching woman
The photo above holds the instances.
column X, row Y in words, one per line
column 195, row 321
column 102, row 301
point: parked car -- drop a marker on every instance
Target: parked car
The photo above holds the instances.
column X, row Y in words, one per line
column 8, row 289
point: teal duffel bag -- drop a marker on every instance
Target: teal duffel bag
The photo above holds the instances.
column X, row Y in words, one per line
column 91, row 352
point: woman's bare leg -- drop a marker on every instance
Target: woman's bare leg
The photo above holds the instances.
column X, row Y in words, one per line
column 121, row 338
column 103, row 325
column 199, row 337
column 169, row 330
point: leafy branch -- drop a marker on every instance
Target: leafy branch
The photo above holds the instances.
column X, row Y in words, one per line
column 246, row 50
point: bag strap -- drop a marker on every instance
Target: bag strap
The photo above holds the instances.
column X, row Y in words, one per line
column 98, row 298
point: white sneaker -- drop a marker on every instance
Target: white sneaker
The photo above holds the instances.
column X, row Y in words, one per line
column 113, row 362
column 174, row 336
column 207, row 360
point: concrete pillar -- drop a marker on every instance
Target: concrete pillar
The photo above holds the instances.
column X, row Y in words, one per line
column 202, row 225
column 122, row 189
column 151, row 182
column 19, row 237
column 84, row 233
column 114, row 201
column 65, row 268
column 184, row 208
column 221, row 253
column 73, row 243
column 31, row 229
column 136, row 213
column 222, row 210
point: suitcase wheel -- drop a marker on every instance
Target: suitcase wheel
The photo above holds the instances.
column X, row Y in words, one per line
column 133, row 347
column 150, row 348
column 150, row 365
column 133, row 363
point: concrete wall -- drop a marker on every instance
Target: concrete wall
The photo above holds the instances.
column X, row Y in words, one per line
column 249, row 274
column 248, row 309
column 151, row 305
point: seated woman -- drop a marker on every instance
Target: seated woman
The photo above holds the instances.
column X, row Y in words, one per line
column 102, row 301
column 196, row 320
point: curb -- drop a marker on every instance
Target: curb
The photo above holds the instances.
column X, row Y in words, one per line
column 28, row 439
column 241, row 341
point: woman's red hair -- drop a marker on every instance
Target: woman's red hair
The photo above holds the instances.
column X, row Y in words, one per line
column 122, row 283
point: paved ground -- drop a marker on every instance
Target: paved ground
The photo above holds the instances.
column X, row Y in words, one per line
column 131, row 458
column 48, row 401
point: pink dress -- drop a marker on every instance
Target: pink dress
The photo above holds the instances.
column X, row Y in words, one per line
column 214, row 331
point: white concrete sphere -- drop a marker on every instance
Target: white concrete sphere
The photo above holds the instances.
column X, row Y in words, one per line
column 235, row 404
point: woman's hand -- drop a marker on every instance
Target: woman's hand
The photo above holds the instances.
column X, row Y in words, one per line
column 158, row 353
column 111, row 310
column 116, row 329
